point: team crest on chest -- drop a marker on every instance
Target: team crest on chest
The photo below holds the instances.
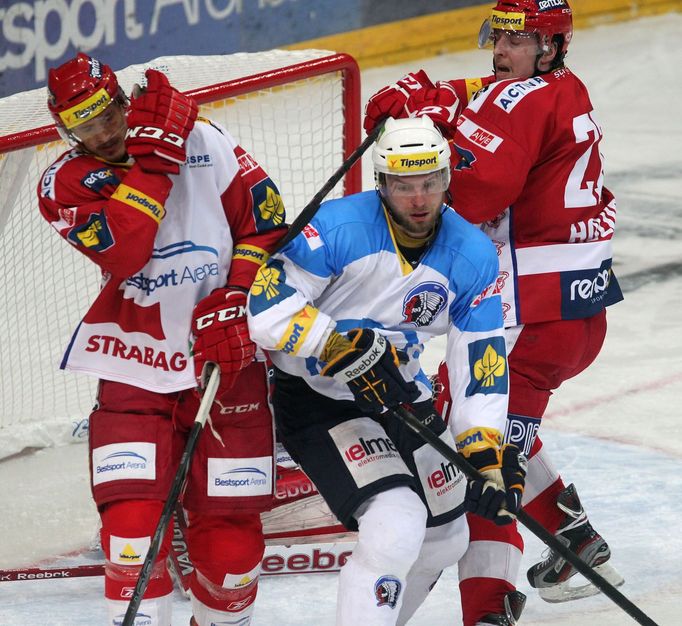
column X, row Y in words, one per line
column 424, row 303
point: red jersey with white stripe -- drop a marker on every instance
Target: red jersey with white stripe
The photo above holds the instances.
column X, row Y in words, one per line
column 163, row 243
column 527, row 166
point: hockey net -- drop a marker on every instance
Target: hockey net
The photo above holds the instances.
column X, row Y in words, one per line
column 296, row 112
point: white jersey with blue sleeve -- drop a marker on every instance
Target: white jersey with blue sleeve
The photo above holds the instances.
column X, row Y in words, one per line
column 345, row 271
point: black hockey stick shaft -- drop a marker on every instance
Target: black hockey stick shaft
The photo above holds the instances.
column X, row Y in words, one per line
column 412, row 422
column 173, row 495
column 310, row 209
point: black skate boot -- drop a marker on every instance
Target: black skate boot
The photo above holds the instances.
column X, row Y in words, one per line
column 550, row 577
column 514, row 602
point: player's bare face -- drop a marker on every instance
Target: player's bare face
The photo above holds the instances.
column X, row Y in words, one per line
column 415, row 202
column 104, row 135
column 515, row 54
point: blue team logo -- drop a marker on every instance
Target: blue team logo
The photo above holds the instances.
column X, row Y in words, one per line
column 387, row 591
column 97, row 179
column 487, row 366
column 269, row 287
column 465, row 158
column 268, row 208
column 94, row 235
column 424, row 303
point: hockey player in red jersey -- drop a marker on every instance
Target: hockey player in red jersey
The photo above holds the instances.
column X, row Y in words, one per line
column 178, row 217
column 527, row 167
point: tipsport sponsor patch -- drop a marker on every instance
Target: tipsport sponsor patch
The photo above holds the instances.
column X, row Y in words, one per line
column 86, row 110
column 140, row 201
column 487, row 367
column 298, row 329
column 412, row 163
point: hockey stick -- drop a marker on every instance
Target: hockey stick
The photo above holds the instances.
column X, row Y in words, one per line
column 412, row 422
column 173, row 495
column 306, row 214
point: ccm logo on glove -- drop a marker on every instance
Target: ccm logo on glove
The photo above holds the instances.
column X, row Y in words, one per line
column 155, row 133
column 223, row 315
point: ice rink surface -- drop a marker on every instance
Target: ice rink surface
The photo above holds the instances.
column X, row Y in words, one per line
column 616, row 430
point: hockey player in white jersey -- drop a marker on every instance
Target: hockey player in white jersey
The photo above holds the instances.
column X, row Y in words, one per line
column 344, row 311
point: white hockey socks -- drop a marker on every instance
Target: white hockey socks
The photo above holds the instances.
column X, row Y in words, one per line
column 443, row 546
column 372, row 583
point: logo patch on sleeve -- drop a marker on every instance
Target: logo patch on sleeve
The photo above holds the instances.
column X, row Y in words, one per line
column 268, row 207
column 94, row 235
column 269, row 287
column 488, row 367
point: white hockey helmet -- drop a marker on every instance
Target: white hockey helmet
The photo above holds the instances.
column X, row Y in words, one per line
column 409, row 147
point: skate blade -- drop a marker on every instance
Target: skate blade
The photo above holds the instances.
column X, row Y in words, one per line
column 564, row 592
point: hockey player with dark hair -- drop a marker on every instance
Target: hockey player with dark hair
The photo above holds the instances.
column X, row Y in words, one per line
column 526, row 166
column 344, row 311
column 178, row 247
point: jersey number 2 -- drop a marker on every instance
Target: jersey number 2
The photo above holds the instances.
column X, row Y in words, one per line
column 585, row 182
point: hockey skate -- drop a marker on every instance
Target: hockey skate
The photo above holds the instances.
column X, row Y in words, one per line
column 514, row 602
column 551, row 576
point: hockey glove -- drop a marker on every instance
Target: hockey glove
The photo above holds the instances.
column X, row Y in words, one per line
column 498, row 497
column 160, row 119
column 368, row 364
column 221, row 336
column 390, row 101
column 440, row 103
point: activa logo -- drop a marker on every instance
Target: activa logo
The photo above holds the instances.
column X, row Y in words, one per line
column 369, row 447
column 587, row 289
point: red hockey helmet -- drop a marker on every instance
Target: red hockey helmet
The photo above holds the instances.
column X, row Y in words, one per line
column 79, row 90
column 547, row 18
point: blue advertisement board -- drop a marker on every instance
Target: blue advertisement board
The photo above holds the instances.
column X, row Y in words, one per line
column 38, row 34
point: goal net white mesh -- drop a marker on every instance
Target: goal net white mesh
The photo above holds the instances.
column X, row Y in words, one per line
column 296, row 112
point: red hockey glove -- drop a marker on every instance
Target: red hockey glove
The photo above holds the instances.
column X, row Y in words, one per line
column 440, row 103
column 221, row 336
column 368, row 364
column 160, row 119
column 390, row 101
column 498, row 497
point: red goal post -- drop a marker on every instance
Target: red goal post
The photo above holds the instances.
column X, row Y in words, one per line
column 297, row 112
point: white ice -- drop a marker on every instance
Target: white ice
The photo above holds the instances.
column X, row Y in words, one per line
column 616, row 431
